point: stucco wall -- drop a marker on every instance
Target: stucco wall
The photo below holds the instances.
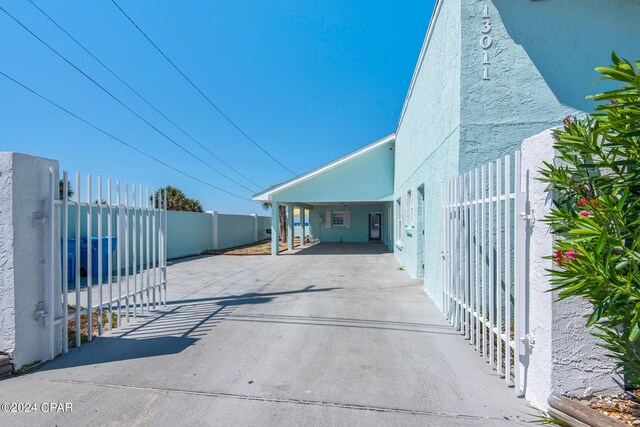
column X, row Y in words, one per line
column 427, row 140
column 368, row 177
column 188, row 233
column 565, row 358
column 359, row 229
column 24, row 264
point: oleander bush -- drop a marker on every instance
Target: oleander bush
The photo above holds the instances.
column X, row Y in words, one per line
column 595, row 181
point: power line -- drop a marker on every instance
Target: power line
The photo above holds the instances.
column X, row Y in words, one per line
column 200, row 91
column 122, row 103
column 118, row 139
column 139, row 95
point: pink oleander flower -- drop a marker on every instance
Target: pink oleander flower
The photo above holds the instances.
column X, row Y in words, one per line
column 568, row 119
column 585, row 213
column 572, row 254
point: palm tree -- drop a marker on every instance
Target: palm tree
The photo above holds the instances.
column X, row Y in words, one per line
column 177, row 200
column 283, row 219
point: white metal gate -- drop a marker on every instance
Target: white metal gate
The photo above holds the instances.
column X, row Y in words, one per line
column 131, row 276
column 483, row 251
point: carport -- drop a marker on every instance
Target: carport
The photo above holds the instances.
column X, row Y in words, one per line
column 348, row 200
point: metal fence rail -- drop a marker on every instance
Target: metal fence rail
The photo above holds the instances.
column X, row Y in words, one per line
column 484, row 288
column 134, row 278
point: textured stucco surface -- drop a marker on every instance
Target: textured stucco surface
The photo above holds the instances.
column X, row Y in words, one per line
column 24, row 189
column 367, row 178
column 7, row 289
column 565, row 358
column 427, row 141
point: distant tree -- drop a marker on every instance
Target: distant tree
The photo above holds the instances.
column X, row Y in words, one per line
column 283, row 219
column 69, row 190
column 177, row 200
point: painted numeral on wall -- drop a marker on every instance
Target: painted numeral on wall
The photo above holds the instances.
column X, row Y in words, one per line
column 485, row 59
column 485, row 73
column 485, row 11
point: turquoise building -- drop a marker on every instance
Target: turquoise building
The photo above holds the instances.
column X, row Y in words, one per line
column 490, row 73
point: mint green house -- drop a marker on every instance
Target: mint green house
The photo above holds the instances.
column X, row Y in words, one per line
column 490, row 74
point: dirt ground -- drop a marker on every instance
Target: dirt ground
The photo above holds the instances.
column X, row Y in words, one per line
column 260, row 248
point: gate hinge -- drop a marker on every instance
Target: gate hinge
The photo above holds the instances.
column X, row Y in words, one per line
column 39, row 313
column 39, row 221
column 529, row 216
column 528, row 339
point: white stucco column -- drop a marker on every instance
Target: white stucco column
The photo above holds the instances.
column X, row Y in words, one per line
column 30, row 289
column 302, row 228
column 290, row 229
column 564, row 357
column 275, row 228
column 255, row 227
column 214, row 218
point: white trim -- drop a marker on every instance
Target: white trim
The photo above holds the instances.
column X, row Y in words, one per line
column 423, row 52
column 266, row 195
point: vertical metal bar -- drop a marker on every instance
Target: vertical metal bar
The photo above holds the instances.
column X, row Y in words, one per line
column 492, row 284
column 465, row 256
column 459, row 254
column 148, row 264
column 119, row 225
column 485, row 300
column 470, row 253
column 164, row 244
column 507, row 266
column 477, row 259
column 89, row 263
column 78, row 282
column 141, row 251
column 134, row 243
column 100, row 254
column 154, row 200
column 51, row 281
column 449, row 248
column 126, row 246
column 498, row 233
column 520, row 308
column 65, row 263
column 110, row 253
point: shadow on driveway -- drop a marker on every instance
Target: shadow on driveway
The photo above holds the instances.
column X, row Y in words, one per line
column 166, row 331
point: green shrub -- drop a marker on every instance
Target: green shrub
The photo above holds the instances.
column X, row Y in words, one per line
column 596, row 187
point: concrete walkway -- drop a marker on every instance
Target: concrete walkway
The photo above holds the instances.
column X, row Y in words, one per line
column 330, row 335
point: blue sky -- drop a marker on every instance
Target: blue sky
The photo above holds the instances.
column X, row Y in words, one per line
column 308, row 80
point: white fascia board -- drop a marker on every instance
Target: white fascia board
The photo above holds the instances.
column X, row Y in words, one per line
column 423, row 52
column 265, row 196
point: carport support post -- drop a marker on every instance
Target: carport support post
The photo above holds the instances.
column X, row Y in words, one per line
column 275, row 228
column 290, row 234
column 302, row 226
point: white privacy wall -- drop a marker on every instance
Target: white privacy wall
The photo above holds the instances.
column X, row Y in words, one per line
column 564, row 358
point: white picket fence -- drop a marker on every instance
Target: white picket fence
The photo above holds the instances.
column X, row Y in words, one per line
column 484, row 286
column 134, row 278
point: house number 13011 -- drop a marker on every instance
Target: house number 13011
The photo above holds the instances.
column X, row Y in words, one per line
column 486, row 41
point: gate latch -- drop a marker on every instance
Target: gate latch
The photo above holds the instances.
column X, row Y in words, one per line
column 528, row 339
column 39, row 313
column 529, row 216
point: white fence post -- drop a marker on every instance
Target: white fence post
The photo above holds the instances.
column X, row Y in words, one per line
column 216, row 236
column 27, row 233
column 564, row 356
column 255, row 227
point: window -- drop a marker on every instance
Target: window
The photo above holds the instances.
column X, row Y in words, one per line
column 410, row 202
column 339, row 219
column 399, row 215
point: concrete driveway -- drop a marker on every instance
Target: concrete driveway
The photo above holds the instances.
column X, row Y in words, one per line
column 330, row 335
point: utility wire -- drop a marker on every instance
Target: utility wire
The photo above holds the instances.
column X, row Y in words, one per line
column 139, row 95
column 122, row 103
column 200, row 91
column 118, row 139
